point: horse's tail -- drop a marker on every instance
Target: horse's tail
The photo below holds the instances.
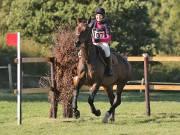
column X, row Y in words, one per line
column 121, row 59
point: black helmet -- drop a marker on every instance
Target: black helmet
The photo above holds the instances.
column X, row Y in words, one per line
column 100, row 11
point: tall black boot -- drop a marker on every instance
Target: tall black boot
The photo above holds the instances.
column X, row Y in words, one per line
column 108, row 70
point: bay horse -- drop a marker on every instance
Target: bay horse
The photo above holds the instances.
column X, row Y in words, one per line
column 90, row 71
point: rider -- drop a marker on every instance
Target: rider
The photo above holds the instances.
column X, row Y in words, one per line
column 101, row 37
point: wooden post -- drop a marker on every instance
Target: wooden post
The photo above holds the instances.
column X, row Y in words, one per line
column 53, row 93
column 19, row 77
column 10, row 77
column 22, row 78
column 146, row 79
column 142, row 83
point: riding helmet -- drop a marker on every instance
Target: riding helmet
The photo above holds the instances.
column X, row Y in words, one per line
column 100, row 11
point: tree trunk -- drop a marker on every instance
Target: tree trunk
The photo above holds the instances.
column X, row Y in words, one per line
column 67, row 110
column 54, row 104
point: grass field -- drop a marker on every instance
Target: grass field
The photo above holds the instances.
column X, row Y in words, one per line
column 130, row 116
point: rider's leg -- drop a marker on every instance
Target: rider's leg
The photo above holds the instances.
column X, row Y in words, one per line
column 106, row 49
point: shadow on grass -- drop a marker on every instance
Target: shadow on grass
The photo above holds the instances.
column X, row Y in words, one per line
column 160, row 118
column 127, row 96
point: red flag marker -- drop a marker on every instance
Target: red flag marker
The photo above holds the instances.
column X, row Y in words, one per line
column 12, row 39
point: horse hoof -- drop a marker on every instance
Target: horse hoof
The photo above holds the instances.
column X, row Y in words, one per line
column 76, row 114
column 112, row 119
column 97, row 113
column 105, row 119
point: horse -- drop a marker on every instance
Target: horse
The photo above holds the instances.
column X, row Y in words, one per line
column 90, row 71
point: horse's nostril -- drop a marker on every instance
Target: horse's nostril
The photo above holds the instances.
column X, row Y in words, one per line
column 77, row 43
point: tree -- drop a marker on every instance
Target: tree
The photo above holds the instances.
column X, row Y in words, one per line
column 131, row 27
column 130, row 21
column 5, row 8
column 165, row 16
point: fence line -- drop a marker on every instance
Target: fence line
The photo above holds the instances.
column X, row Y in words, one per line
column 146, row 86
column 155, row 58
column 153, row 85
column 9, row 68
column 130, row 58
column 159, row 85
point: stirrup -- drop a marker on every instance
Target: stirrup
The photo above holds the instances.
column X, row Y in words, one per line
column 109, row 72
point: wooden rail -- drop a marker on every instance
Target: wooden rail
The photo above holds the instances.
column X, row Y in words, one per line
column 3, row 67
column 35, row 60
column 9, row 68
column 126, row 88
column 155, row 85
column 156, row 58
column 159, row 86
column 146, row 86
column 130, row 58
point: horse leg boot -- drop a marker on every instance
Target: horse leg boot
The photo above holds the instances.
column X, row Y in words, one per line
column 111, row 97
column 92, row 94
column 117, row 102
column 78, row 83
column 108, row 70
column 112, row 109
column 76, row 112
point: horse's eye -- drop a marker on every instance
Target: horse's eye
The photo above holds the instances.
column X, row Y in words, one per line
column 77, row 34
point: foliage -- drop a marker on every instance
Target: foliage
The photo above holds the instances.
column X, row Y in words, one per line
column 165, row 72
column 65, row 53
column 40, row 18
column 131, row 27
column 165, row 17
column 138, row 26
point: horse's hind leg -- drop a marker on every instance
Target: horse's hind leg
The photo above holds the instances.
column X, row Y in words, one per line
column 93, row 91
column 78, row 83
column 111, row 97
column 117, row 102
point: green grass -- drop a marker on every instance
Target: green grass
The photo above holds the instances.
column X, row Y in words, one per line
column 130, row 116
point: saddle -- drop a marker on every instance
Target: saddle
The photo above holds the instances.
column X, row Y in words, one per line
column 102, row 55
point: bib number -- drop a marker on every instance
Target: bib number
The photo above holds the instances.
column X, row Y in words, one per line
column 98, row 34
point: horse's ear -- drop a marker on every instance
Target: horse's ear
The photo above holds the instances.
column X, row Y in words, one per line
column 78, row 20
column 89, row 20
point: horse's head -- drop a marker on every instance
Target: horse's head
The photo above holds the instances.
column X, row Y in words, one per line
column 83, row 32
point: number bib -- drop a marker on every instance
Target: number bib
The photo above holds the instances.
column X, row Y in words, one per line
column 97, row 33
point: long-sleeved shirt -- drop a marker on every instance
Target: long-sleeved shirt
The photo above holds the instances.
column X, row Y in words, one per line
column 101, row 30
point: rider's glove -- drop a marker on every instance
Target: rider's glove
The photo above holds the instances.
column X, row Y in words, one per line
column 96, row 40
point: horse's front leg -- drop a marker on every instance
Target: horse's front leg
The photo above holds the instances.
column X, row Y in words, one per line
column 93, row 91
column 78, row 83
column 111, row 97
column 117, row 102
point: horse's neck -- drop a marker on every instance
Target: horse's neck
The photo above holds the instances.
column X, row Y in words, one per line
column 92, row 55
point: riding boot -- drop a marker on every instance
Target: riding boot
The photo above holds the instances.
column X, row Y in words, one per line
column 108, row 70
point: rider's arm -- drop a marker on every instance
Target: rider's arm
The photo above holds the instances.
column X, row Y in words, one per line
column 106, row 39
column 108, row 34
